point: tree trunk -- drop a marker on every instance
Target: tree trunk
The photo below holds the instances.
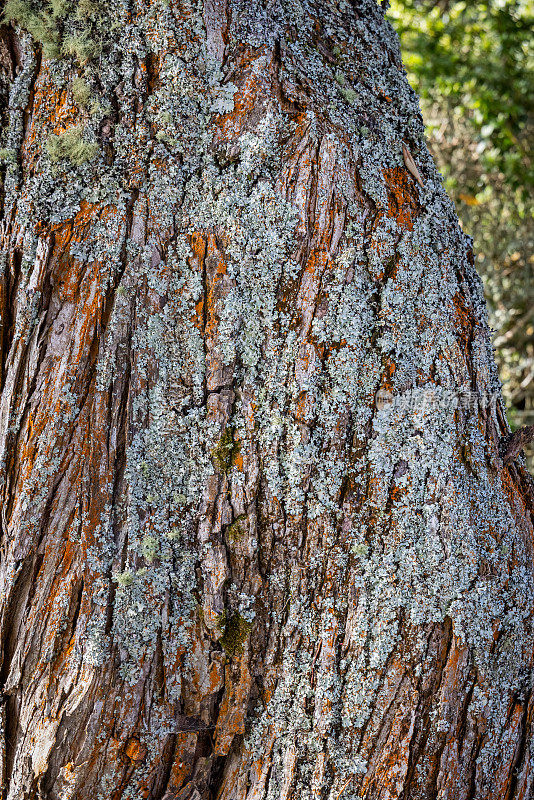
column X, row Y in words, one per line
column 258, row 539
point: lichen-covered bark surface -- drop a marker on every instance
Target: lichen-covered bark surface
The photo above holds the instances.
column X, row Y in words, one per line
column 253, row 546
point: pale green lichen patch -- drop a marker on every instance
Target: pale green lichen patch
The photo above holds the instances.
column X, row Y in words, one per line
column 71, row 146
column 149, row 548
column 81, row 91
column 61, row 27
column 360, row 550
column 39, row 22
column 123, row 579
column 8, row 155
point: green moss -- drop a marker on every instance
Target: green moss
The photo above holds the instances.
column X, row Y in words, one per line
column 236, row 632
column 237, row 530
column 87, row 9
column 70, row 145
column 60, row 8
column 44, row 22
column 161, row 136
column 360, row 550
column 96, row 109
column 20, row 12
column 81, row 91
column 224, row 454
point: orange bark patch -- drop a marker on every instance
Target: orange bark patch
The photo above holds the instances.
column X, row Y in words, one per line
column 383, row 396
column 238, row 462
column 196, row 262
column 53, row 112
column 135, row 750
column 255, row 86
column 464, row 320
column 66, row 275
column 217, row 285
column 402, row 200
column 231, row 719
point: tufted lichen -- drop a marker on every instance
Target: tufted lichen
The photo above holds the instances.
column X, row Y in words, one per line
column 81, row 91
column 123, row 579
column 71, row 146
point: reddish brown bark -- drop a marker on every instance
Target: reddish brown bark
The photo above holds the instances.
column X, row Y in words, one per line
column 255, row 542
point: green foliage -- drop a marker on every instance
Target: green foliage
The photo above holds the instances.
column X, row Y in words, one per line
column 478, row 57
column 70, row 145
column 473, row 66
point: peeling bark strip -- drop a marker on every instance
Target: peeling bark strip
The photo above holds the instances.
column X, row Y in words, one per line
column 228, row 570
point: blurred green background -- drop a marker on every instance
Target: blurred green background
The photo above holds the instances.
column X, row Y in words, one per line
column 473, row 66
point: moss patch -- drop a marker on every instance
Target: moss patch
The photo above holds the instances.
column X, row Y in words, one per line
column 41, row 25
column 123, row 579
column 237, row 530
column 149, row 548
column 7, row 155
column 236, row 632
column 224, row 454
column 360, row 550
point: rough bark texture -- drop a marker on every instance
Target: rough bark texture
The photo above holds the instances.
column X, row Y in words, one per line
column 253, row 546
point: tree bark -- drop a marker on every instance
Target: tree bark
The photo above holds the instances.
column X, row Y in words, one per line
column 258, row 540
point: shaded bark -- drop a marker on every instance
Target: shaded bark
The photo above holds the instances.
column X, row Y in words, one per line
column 258, row 540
